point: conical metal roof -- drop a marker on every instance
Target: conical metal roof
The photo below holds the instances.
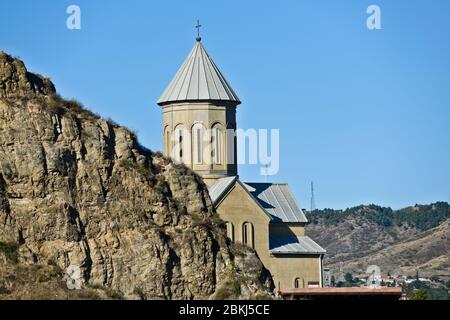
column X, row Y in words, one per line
column 198, row 79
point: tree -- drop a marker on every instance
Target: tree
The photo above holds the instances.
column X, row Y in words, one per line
column 419, row 285
column 348, row 277
column 420, row 294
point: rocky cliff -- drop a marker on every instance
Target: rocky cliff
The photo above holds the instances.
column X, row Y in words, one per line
column 78, row 190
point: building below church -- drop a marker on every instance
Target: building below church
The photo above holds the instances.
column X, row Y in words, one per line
column 199, row 113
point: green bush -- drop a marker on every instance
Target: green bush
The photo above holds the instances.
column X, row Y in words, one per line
column 438, row 294
column 230, row 289
column 231, row 286
column 420, row 294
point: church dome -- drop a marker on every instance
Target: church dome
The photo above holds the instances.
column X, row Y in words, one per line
column 198, row 80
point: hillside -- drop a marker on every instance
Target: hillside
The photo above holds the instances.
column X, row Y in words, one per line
column 398, row 241
column 79, row 191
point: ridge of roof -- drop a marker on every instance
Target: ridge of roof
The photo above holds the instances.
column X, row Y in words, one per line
column 198, row 79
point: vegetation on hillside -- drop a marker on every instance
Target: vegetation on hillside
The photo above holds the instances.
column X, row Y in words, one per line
column 419, row 290
column 423, row 217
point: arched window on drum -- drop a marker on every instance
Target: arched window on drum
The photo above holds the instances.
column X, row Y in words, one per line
column 198, row 132
column 167, row 144
column 217, row 143
column 179, row 152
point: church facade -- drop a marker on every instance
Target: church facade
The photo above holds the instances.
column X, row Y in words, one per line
column 199, row 125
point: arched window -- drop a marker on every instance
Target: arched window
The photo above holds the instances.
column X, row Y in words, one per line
column 198, row 132
column 179, row 143
column 217, row 143
column 230, row 231
column 247, row 234
column 298, row 283
column 167, row 144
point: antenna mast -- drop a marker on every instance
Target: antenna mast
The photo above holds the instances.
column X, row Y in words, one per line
column 313, row 201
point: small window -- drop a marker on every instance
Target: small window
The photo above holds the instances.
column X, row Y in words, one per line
column 247, row 234
column 298, row 283
column 230, row 231
column 216, row 142
column 198, row 133
column 180, row 142
column 167, row 146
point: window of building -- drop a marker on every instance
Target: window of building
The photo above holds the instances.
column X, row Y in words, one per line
column 247, row 234
column 179, row 146
column 298, row 283
column 167, row 144
column 230, row 231
column 197, row 142
column 217, row 143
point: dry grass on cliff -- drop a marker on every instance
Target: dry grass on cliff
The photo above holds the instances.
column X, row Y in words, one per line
column 38, row 282
column 9, row 251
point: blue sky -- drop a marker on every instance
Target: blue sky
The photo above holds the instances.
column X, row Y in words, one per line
column 364, row 114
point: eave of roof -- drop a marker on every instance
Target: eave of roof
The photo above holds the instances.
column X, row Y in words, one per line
column 294, row 245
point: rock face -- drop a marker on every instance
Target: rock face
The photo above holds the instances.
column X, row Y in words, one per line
column 79, row 190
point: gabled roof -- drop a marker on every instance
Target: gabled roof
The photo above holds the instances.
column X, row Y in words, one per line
column 294, row 245
column 278, row 201
column 220, row 187
column 198, row 79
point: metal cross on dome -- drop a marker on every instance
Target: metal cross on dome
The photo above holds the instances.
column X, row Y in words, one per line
column 198, row 26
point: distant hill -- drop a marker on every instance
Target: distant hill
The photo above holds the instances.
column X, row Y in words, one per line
column 398, row 241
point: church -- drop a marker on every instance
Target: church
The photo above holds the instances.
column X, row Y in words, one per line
column 199, row 121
